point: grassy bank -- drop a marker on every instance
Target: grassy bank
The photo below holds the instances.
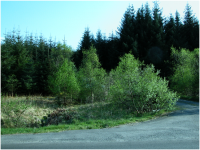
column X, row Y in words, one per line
column 88, row 116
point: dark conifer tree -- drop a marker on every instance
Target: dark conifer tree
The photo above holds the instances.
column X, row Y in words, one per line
column 76, row 56
column 99, row 46
column 141, row 30
column 195, row 43
column 28, row 83
column 8, row 61
column 41, row 68
column 127, row 36
column 85, row 44
column 178, row 43
column 29, row 68
column 22, row 57
column 31, row 46
column 144, row 31
column 35, row 51
column 148, row 26
column 158, row 52
column 86, row 41
column 98, row 40
column 113, row 53
column 105, row 52
column 169, row 32
column 92, row 39
column 170, row 39
column 157, row 28
column 190, row 29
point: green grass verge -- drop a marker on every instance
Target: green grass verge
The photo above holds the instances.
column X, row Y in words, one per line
column 90, row 124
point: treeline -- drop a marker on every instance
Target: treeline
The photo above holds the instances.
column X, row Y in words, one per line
column 27, row 63
column 146, row 34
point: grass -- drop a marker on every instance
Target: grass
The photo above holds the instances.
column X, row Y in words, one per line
column 89, row 116
column 79, row 125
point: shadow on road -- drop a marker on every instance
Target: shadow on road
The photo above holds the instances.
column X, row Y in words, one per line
column 185, row 112
column 187, row 108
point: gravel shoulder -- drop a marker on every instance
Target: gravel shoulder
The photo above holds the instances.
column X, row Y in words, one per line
column 179, row 129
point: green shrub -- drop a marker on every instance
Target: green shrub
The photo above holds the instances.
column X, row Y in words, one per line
column 91, row 77
column 63, row 83
column 185, row 79
column 139, row 90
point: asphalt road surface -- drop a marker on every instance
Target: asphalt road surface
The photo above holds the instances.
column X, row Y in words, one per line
column 178, row 130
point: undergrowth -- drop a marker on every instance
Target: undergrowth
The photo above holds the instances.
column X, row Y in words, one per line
column 87, row 116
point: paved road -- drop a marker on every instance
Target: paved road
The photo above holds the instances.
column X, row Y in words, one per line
column 178, row 130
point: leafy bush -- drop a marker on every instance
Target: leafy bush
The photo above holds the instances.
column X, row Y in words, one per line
column 185, row 79
column 63, row 83
column 140, row 90
column 91, row 77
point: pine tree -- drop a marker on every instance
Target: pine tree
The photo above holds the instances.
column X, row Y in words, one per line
column 157, row 30
column 28, row 77
column 85, row 44
column 112, row 52
column 128, row 38
column 29, row 69
column 99, row 46
column 178, row 43
column 86, row 41
column 196, row 33
column 148, row 26
column 98, row 42
column 190, row 28
column 144, row 29
column 22, row 57
column 92, row 39
column 141, row 30
column 41, row 67
column 7, row 61
column 76, row 58
column 157, row 53
column 170, row 32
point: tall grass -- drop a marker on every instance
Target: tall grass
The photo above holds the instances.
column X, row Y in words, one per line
column 27, row 119
column 22, row 111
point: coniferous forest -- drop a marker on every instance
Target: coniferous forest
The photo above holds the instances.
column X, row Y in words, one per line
column 30, row 64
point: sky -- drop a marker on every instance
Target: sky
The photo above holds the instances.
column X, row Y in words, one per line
column 69, row 19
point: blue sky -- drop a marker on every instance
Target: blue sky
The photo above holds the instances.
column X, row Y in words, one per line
column 70, row 18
